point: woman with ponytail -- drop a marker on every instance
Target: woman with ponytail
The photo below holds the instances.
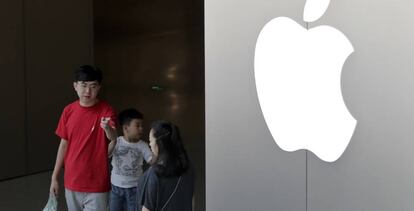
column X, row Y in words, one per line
column 168, row 184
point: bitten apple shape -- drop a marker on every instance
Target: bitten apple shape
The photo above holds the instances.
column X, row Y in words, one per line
column 298, row 81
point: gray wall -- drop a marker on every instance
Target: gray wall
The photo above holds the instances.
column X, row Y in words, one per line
column 245, row 168
column 376, row 171
column 41, row 43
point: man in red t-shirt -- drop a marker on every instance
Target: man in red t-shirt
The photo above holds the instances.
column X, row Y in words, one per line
column 85, row 127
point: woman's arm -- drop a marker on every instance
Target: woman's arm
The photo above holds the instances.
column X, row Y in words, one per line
column 145, row 209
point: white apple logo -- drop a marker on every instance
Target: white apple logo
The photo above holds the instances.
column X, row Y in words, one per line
column 298, row 81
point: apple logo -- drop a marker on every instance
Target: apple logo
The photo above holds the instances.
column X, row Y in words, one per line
column 298, row 81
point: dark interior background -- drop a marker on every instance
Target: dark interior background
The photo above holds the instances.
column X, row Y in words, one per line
column 145, row 45
column 137, row 44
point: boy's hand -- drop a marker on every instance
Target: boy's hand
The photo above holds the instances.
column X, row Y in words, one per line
column 107, row 123
column 109, row 127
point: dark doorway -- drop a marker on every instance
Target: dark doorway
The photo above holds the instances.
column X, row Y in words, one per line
column 152, row 56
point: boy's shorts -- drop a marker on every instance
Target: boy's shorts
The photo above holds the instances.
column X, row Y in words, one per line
column 81, row 201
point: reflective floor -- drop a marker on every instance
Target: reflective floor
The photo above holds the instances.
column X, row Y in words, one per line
column 27, row 193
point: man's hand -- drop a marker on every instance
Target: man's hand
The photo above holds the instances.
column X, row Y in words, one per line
column 54, row 187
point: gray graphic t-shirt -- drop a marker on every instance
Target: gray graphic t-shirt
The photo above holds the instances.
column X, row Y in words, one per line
column 127, row 161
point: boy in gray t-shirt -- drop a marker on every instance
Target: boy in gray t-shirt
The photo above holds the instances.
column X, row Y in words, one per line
column 128, row 153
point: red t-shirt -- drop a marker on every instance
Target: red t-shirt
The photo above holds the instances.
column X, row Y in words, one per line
column 86, row 159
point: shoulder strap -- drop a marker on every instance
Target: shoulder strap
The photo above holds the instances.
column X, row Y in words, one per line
column 172, row 194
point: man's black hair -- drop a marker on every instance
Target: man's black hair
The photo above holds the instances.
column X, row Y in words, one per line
column 88, row 73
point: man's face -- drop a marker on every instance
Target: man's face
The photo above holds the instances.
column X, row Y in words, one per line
column 87, row 91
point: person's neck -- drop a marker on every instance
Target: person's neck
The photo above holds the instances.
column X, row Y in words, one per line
column 131, row 140
column 88, row 104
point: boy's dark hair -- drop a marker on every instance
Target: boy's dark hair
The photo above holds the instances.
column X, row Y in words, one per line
column 127, row 115
column 88, row 73
column 172, row 157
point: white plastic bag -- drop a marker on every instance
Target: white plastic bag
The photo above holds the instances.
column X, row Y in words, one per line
column 51, row 203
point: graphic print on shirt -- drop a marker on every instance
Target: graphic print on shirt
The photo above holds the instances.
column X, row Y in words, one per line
column 127, row 160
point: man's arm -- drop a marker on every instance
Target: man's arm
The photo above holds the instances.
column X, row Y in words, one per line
column 54, row 186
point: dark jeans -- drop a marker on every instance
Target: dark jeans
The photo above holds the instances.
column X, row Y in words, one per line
column 123, row 199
